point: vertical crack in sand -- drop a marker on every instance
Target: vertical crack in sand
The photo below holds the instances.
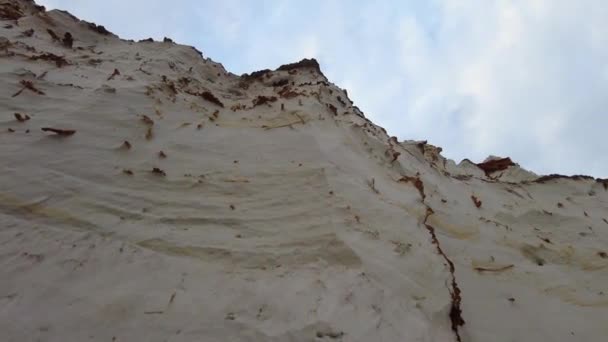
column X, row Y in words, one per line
column 455, row 310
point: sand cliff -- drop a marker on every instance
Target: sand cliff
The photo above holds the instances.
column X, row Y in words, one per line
column 147, row 194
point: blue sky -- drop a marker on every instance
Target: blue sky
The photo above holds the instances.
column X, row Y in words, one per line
column 526, row 79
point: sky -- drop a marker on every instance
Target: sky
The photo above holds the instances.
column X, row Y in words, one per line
column 527, row 79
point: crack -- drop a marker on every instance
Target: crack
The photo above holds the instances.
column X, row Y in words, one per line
column 455, row 310
column 455, row 292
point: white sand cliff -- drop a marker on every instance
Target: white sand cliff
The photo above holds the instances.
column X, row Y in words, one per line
column 176, row 201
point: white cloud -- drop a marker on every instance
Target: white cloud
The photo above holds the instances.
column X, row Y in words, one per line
column 523, row 68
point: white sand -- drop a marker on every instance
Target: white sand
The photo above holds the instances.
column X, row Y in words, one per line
column 270, row 224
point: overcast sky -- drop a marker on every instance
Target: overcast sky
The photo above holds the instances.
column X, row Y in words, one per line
column 526, row 79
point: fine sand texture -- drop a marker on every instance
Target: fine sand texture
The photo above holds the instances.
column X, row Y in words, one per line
column 147, row 194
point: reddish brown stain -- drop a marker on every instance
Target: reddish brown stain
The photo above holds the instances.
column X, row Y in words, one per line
column 417, row 184
column 30, row 86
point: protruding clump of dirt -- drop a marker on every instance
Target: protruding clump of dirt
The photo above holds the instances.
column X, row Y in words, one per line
column 280, row 83
column 15, row 10
column 332, row 108
column 146, row 119
column 287, row 93
column 59, row 60
column 114, row 74
column 476, row 201
column 21, row 117
column 27, row 33
column 248, row 79
column 546, row 178
column 68, row 40
column 59, row 131
column 10, row 11
column 126, row 145
column 53, row 35
column 260, row 100
column 494, row 165
column 303, row 64
column 99, row 29
column 158, row 172
column 207, row 95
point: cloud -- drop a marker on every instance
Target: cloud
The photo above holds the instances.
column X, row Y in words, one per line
column 521, row 78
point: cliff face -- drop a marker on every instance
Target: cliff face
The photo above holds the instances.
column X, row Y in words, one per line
column 147, row 194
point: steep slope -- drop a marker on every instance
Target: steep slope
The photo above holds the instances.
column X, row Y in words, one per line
column 174, row 201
